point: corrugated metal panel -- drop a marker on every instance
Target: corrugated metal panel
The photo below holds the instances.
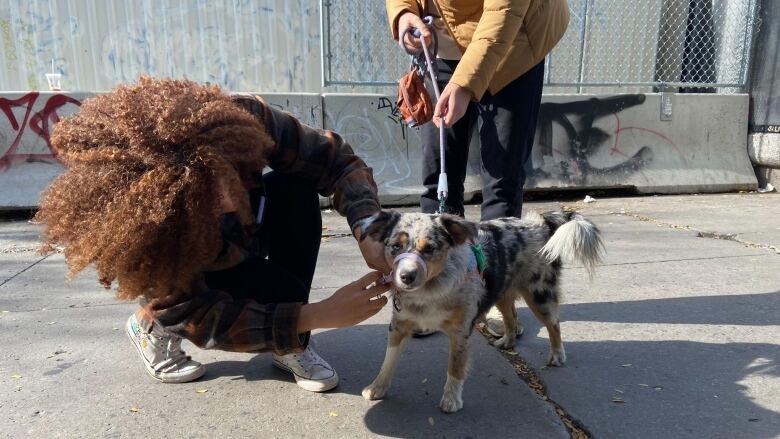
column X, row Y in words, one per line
column 268, row 45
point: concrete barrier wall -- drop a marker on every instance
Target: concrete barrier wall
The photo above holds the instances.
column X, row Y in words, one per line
column 27, row 163
column 582, row 142
column 620, row 141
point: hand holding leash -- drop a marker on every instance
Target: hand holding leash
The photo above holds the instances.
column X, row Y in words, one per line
column 410, row 28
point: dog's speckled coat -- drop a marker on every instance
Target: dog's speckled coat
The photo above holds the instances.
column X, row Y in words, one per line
column 524, row 259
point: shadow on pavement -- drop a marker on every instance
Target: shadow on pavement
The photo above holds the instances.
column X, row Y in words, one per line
column 739, row 309
column 667, row 388
column 496, row 402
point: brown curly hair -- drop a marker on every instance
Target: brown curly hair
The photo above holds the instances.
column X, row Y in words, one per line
column 139, row 194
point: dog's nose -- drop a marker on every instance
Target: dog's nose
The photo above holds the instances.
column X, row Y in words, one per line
column 408, row 277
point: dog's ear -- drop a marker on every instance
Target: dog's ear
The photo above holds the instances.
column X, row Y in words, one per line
column 380, row 225
column 458, row 228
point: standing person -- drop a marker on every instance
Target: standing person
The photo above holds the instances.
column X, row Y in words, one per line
column 490, row 70
column 164, row 193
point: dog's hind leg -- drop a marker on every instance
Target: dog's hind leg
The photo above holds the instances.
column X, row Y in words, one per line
column 512, row 326
column 543, row 302
column 396, row 340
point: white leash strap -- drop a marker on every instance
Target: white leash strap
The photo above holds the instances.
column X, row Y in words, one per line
column 442, row 189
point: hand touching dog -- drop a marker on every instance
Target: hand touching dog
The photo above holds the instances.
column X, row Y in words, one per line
column 348, row 306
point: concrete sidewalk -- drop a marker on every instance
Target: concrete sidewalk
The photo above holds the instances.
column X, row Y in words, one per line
column 677, row 336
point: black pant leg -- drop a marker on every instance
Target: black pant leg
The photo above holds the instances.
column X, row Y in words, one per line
column 290, row 231
column 261, row 280
column 292, row 225
column 507, row 128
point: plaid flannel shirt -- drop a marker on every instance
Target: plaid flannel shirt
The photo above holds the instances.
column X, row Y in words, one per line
column 213, row 319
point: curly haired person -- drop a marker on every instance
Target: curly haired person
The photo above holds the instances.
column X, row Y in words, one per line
column 164, row 193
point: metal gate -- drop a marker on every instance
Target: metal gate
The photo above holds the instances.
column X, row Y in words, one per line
column 695, row 44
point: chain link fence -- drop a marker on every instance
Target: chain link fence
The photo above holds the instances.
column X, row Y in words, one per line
column 696, row 45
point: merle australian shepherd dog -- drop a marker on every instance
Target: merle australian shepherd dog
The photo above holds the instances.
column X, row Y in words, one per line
column 447, row 272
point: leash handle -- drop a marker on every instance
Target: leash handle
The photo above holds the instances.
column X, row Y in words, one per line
column 417, row 33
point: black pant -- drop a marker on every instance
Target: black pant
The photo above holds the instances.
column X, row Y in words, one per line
column 290, row 235
column 507, row 123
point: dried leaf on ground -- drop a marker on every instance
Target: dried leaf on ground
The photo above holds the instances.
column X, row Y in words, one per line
column 201, row 390
column 16, row 376
column 135, row 409
column 430, row 420
column 333, row 414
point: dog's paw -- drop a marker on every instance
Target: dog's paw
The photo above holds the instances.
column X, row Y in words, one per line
column 557, row 357
column 505, row 342
column 450, row 402
column 374, row 391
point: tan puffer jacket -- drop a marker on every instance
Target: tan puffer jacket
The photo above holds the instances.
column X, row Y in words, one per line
column 500, row 39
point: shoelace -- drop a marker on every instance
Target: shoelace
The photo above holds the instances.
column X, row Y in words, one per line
column 175, row 356
column 308, row 358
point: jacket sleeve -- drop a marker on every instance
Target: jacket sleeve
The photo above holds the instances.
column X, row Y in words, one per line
column 493, row 37
column 320, row 156
column 396, row 8
column 212, row 319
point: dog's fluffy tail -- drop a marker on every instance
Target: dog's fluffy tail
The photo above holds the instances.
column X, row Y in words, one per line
column 573, row 237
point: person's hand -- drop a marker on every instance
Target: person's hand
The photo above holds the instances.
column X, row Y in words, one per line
column 410, row 19
column 452, row 105
column 348, row 306
column 373, row 253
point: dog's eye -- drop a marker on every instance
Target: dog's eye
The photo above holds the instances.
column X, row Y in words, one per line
column 428, row 249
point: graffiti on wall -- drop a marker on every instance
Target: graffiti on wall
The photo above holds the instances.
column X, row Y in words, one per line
column 25, row 126
column 373, row 127
column 586, row 142
column 595, row 145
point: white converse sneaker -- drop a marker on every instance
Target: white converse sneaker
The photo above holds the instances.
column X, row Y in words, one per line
column 311, row 372
column 162, row 355
column 494, row 323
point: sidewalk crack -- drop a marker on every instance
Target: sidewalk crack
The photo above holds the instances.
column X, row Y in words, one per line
column 699, row 233
column 527, row 373
column 25, row 269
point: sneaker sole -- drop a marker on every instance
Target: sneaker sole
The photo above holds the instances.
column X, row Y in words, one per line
column 164, row 378
column 310, row 385
column 520, row 331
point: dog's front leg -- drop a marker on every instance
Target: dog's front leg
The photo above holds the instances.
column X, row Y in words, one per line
column 396, row 340
column 452, row 396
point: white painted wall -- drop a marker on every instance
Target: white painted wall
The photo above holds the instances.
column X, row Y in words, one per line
column 269, row 45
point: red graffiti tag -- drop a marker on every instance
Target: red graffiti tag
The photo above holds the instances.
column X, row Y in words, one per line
column 39, row 123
